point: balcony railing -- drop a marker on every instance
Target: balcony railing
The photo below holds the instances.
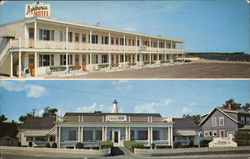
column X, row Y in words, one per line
column 43, row 44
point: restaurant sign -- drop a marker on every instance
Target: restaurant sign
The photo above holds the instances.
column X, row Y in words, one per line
column 116, row 118
column 37, row 9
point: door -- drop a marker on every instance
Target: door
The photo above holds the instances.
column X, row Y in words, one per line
column 31, row 64
column 76, row 60
column 116, row 137
column 31, row 37
column 84, row 62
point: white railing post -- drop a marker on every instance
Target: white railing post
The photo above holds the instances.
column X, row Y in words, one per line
column 19, row 42
column 10, row 43
column 11, row 64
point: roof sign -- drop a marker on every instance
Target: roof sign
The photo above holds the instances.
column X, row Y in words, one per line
column 37, row 9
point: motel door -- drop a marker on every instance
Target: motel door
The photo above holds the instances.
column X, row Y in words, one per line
column 76, row 60
column 31, row 64
column 84, row 62
column 116, row 137
column 112, row 59
column 31, row 37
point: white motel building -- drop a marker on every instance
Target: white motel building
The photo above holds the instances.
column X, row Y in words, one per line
column 39, row 45
column 91, row 128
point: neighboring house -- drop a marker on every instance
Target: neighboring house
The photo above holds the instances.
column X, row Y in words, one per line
column 8, row 132
column 186, row 130
column 37, row 130
column 41, row 45
column 221, row 122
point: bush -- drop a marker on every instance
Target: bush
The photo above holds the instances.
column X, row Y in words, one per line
column 242, row 138
column 19, row 144
column 103, row 65
column 114, row 65
column 54, row 145
column 191, row 144
column 74, row 67
column 79, row 145
column 47, row 145
column 131, row 145
column 177, row 145
column 57, row 68
column 106, row 144
column 204, row 143
column 153, row 145
column 30, row 144
column 132, row 63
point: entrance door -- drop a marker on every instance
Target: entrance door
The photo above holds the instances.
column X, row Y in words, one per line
column 116, row 137
column 84, row 62
column 76, row 60
column 31, row 64
column 31, row 37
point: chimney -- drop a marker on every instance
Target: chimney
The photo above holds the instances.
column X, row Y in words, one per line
column 229, row 106
column 114, row 107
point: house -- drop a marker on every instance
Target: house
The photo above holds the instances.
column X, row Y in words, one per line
column 39, row 131
column 8, row 132
column 224, row 122
column 40, row 45
column 186, row 130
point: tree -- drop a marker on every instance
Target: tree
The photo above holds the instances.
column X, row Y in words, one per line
column 196, row 118
column 22, row 118
column 234, row 105
column 2, row 118
column 246, row 107
column 50, row 112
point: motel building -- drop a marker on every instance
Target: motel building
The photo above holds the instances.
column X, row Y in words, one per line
column 92, row 128
column 39, row 45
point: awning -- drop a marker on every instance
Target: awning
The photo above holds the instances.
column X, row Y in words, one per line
column 246, row 127
column 185, row 133
column 35, row 133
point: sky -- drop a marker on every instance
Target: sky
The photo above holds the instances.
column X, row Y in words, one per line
column 204, row 25
column 170, row 98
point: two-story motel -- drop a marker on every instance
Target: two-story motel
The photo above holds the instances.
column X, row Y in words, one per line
column 41, row 45
column 91, row 128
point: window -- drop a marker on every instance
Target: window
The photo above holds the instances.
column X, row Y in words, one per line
column 214, row 132
column 138, row 42
column 112, row 41
column 84, row 38
column 210, row 133
column 70, row 60
column 247, row 120
column 145, row 43
column 214, row 123
column 70, row 36
column 221, row 121
column 29, row 138
column 46, row 34
column 95, row 59
column 87, row 135
column 104, row 58
column 222, row 133
column 52, row 35
column 156, row 135
column 121, row 41
column 62, row 59
column 133, row 42
column 242, row 120
column 52, row 138
column 46, row 60
column 40, row 138
column 94, row 39
column 161, row 45
column 132, row 135
column 31, row 33
column 77, row 37
column 72, row 135
column 104, row 40
column 98, row 135
column 62, row 36
column 142, row 134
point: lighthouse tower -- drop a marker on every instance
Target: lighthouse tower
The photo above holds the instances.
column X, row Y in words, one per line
column 114, row 107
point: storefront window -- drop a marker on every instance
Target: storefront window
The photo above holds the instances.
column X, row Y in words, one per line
column 72, row 135
column 40, row 138
column 156, row 135
column 44, row 60
column 98, row 135
column 87, row 135
column 142, row 134
column 104, row 58
column 132, row 135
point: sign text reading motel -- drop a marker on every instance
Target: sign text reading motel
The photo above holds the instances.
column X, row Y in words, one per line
column 40, row 10
column 116, row 118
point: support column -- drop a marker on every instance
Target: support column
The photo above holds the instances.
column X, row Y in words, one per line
column 124, row 60
column 171, row 137
column 82, row 135
column 67, row 37
column 67, row 62
column 19, row 64
column 129, row 133
column 35, row 64
column 149, row 136
column 103, row 134
column 106, row 133
column 150, row 58
column 126, row 133
column 119, row 59
column 151, row 133
column 140, row 59
column 136, row 58
column 109, row 41
column 35, row 33
column 59, row 137
column 11, row 64
column 169, row 141
column 79, row 134
column 90, row 36
column 110, row 60
column 136, row 41
column 90, row 61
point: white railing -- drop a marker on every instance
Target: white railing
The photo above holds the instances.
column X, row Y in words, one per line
column 4, row 53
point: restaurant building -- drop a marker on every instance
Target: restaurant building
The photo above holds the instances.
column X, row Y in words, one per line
column 40, row 45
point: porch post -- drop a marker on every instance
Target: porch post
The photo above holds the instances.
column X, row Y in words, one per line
column 109, row 60
column 126, row 133
column 150, row 58
column 90, row 61
column 169, row 136
column 124, row 60
column 82, row 134
column 106, row 133
column 59, row 137
column 149, row 135
column 19, row 64
column 35, row 64
column 129, row 133
column 67, row 37
column 136, row 41
column 79, row 132
column 35, row 33
column 11, row 64
column 67, row 62
column 119, row 58
column 109, row 41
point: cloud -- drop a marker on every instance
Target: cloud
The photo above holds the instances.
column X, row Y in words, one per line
column 91, row 108
column 192, row 104
column 32, row 91
column 128, row 29
column 186, row 110
column 2, row 2
column 122, row 85
column 152, row 107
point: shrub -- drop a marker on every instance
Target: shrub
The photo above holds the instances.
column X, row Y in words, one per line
column 204, row 143
column 153, row 145
column 54, row 145
column 146, row 62
column 177, row 145
column 131, row 145
column 106, row 144
column 132, row 63
column 242, row 138
column 103, row 65
column 114, row 65
column 27, row 71
column 57, row 68
column 74, row 67
column 79, row 145
column 30, row 144
column 191, row 144
column 47, row 145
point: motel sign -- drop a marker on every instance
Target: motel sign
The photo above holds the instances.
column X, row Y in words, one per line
column 37, row 9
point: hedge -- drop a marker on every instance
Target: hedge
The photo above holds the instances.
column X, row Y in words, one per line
column 47, row 145
column 242, row 138
column 106, row 144
column 103, row 65
column 114, row 65
column 74, row 67
column 204, row 143
column 79, row 145
column 57, row 68
column 132, row 64
column 54, row 145
column 131, row 145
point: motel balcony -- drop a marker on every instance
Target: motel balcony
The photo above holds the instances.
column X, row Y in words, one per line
column 87, row 47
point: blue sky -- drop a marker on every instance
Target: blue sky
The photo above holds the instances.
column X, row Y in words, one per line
column 208, row 26
column 168, row 97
